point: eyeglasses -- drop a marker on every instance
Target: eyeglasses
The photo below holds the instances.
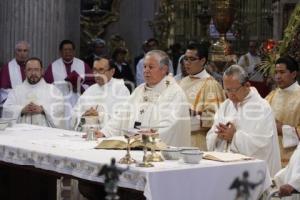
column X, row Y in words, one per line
column 190, row 59
column 232, row 90
column 100, row 71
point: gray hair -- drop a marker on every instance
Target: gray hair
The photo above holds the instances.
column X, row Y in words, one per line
column 22, row 42
column 238, row 72
column 162, row 57
column 99, row 41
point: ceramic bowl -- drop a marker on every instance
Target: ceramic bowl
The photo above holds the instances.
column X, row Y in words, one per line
column 189, row 149
column 191, row 156
column 170, row 153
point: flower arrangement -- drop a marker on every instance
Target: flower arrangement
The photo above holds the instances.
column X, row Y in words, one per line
column 271, row 50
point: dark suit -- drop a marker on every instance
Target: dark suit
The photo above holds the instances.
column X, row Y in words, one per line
column 126, row 74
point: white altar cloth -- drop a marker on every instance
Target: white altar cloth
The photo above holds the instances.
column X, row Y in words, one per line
column 67, row 153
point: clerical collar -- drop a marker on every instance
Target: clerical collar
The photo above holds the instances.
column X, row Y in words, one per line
column 293, row 87
column 252, row 92
column 68, row 62
column 201, row 75
column 108, row 84
column 159, row 87
column 35, row 85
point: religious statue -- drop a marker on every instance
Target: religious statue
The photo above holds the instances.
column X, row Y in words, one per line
column 244, row 186
column 111, row 174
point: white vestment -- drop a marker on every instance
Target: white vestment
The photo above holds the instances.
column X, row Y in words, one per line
column 256, row 133
column 163, row 105
column 59, row 74
column 106, row 99
column 290, row 174
column 15, row 77
column 42, row 94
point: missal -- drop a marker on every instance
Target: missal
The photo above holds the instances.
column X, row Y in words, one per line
column 225, row 156
column 120, row 142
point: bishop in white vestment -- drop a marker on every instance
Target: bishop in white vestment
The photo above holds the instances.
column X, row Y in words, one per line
column 159, row 102
column 244, row 122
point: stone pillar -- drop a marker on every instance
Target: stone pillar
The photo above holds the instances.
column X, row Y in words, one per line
column 43, row 23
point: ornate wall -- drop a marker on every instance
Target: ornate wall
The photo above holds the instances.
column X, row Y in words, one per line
column 133, row 24
column 43, row 23
column 281, row 12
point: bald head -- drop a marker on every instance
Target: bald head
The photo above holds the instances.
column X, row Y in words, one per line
column 22, row 51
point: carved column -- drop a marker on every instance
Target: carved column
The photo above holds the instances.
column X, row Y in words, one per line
column 43, row 23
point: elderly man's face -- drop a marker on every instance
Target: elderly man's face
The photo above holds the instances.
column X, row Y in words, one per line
column 22, row 52
column 283, row 77
column 153, row 73
column 33, row 71
column 234, row 90
column 67, row 52
column 102, row 71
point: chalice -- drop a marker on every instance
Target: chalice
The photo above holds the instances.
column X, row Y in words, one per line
column 146, row 139
column 154, row 156
column 127, row 159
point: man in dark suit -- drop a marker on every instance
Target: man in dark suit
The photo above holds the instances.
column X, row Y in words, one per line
column 123, row 69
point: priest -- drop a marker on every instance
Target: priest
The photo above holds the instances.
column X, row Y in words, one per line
column 159, row 103
column 70, row 74
column 101, row 100
column 35, row 101
column 285, row 103
column 12, row 73
column 203, row 92
column 288, row 179
column 244, row 122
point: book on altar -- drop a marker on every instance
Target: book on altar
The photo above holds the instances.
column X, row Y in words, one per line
column 225, row 156
column 120, row 142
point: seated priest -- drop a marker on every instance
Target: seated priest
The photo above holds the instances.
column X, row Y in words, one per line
column 287, row 117
column 159, row 102
column 35, row 101
column 244, row 122
column 100, row 100
column 288, row 179
column 203, row 92
column 13, row 73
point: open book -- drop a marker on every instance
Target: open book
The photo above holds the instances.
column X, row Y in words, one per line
column 120, row 142
column 225, row 156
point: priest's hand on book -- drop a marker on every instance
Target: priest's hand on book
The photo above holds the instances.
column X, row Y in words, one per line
column 225, row 131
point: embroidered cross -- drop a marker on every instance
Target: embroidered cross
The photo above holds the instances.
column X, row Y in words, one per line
column 167, row 83
column 146, row 99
